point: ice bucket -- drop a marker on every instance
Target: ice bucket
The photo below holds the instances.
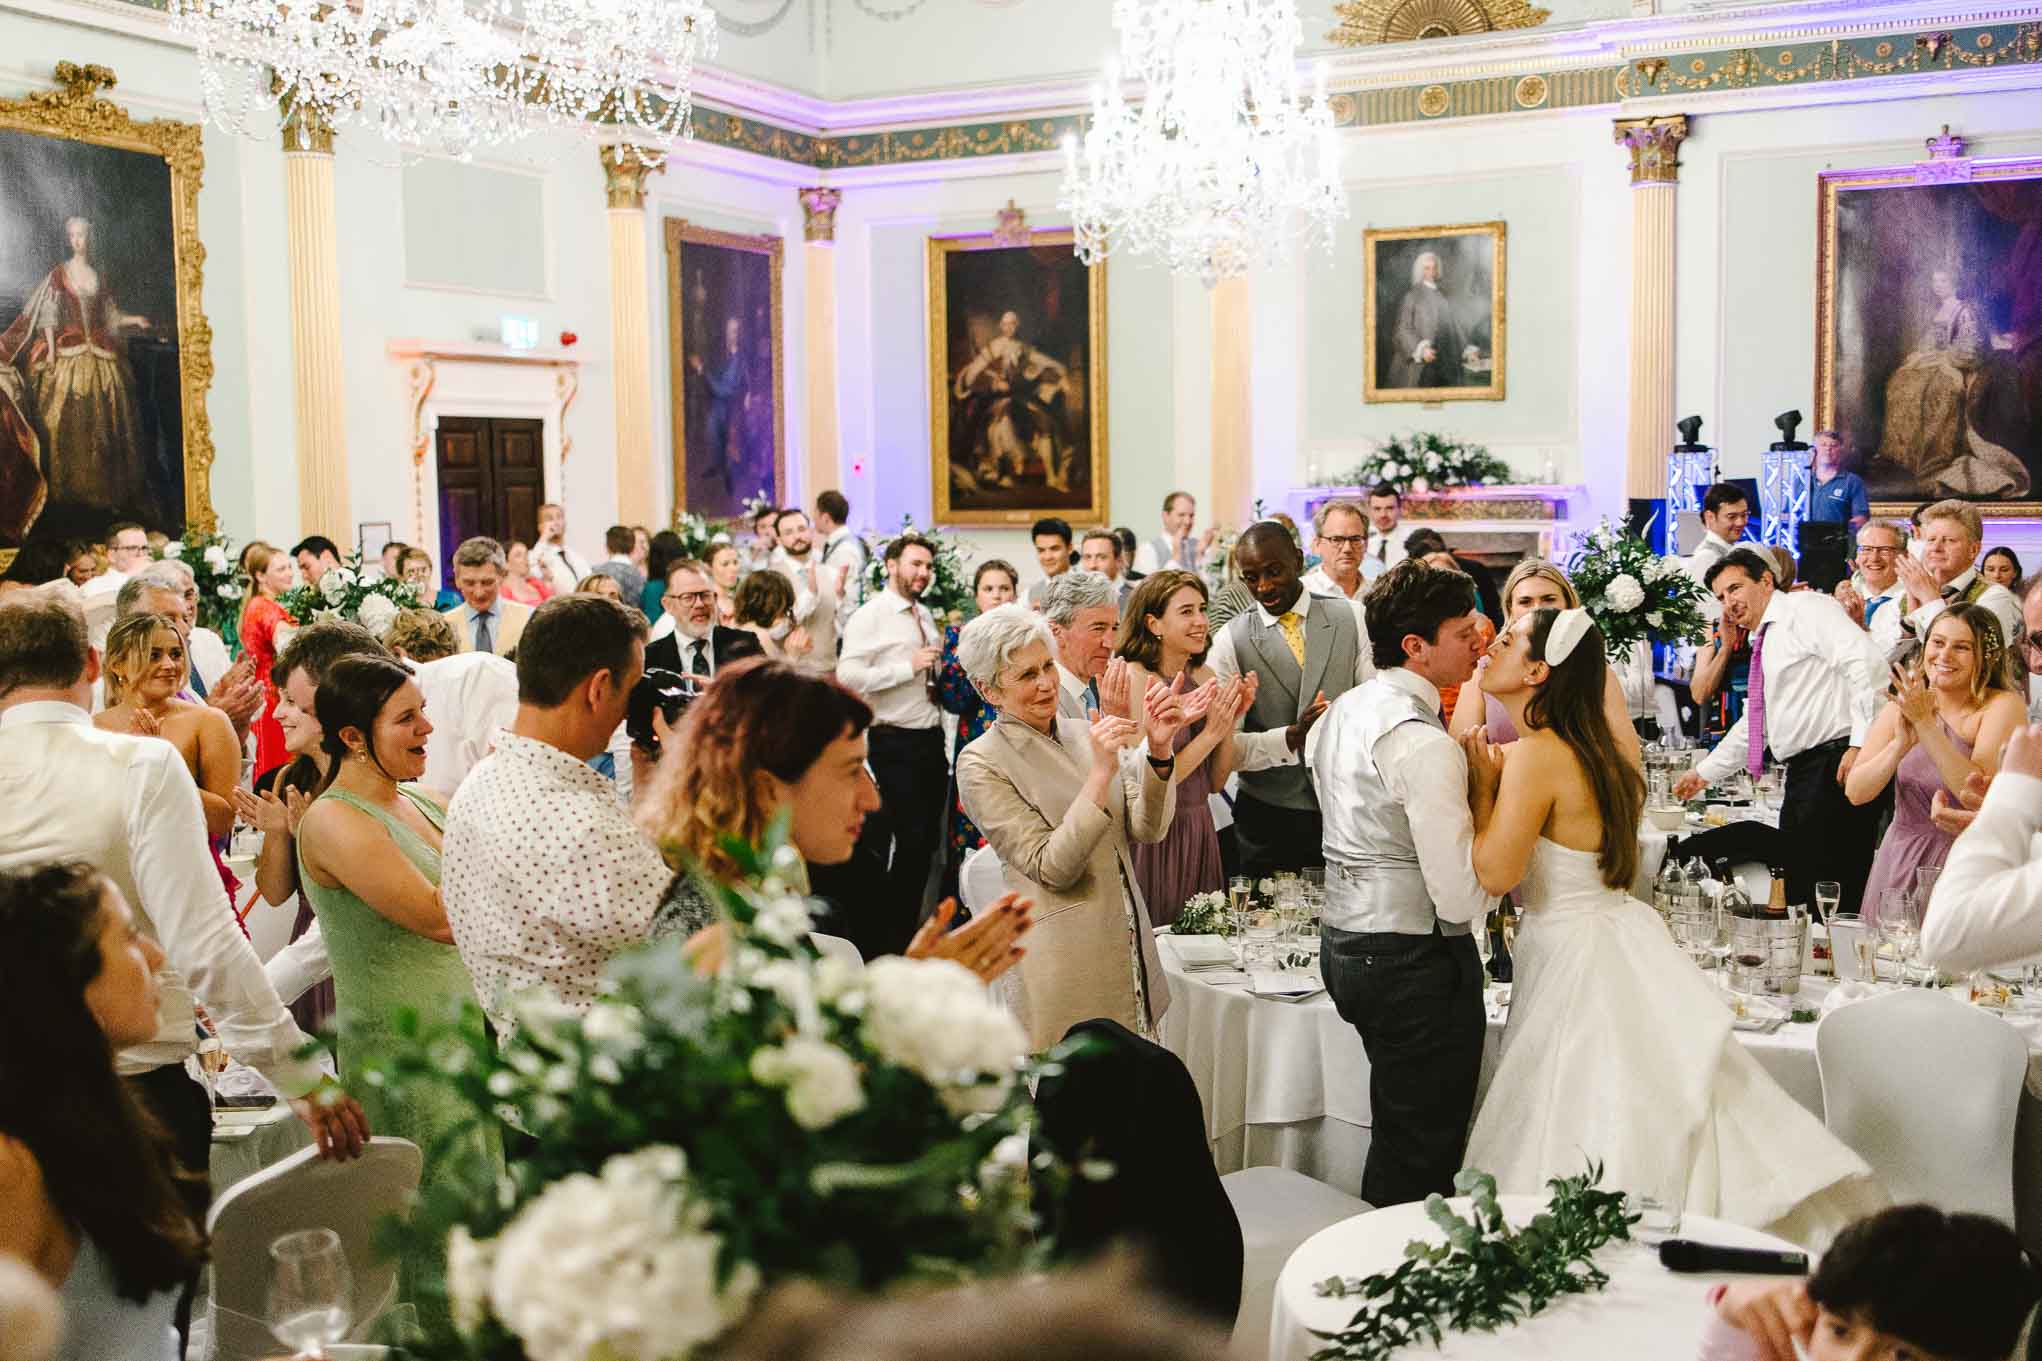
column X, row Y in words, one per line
column 1766, row 953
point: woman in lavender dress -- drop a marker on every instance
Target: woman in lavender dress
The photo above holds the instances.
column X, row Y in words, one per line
column 1951, row 715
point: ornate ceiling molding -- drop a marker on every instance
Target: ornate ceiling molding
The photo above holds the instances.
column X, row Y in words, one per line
column 1364, row 23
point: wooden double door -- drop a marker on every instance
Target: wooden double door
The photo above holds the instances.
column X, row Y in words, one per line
column 492, row 479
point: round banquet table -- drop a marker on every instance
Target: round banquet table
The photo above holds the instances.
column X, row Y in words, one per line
column 1644, row 1311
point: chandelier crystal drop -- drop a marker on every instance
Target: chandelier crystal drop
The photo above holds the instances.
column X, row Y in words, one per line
column 1225, row 161
column 452, row 77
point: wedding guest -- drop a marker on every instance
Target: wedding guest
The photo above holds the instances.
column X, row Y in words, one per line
column 842, row 552
column 1951, row 716
column 484, row 621
column 128, row 806
column 764, row 608
column 558, row 565
column 145, row 670
column 81, row 563
column 1535, row 584
column 1130, row 548
column 1385, row 548
column 1986, row 911
column 724, row 570
column 418, row 570
column 127, row 552
column 167, row 588
column 1052, row 539
column 765, row 538
column 472, row 696
column 665, row 550
column 816, row 592
column 994, row 583
column 31, row 1313
column 90, row 1184
column 641, row 547
column 1726, row 510
column 891, row 650
column 1873, row 597
column 1083, row 615
column 1816, row 682
column 270, row 574
column 1165, row 638
column 602, row 584
column 1339, row 537
column 1835, row 496
column 519, row 583
column 2001, row 567
column 388, row 562
column 699, row 646
column 622, row 542
column 1947, row 575
column 1304, row 651
column 1175, row 546
column 1909, row 1282
column 770, row 742
column 1057, row 805
column 1099, row 552
column 301, row 972
column 316, row 555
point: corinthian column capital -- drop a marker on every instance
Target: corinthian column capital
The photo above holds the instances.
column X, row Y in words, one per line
column 1654, row 144
column 624, row 176
column 819, row 214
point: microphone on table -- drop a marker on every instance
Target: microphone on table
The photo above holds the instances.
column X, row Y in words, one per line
column 1683, row 1254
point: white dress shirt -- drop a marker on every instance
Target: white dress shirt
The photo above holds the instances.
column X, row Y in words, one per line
column 1264, row 750
column 1384, row 550
column 561, row 567
column 814, row 609
column 880, row 644
column 128, row 807
column 1074, row 698
column 544, row 876
column 1994, row 597
column 1712, row 548
column 209, row 659
column 1426, row 772
column 1884, row 623
column 1987, row 908
column 1319, row 583
column 470, row 697
column 844, row 549
column 1824, row 679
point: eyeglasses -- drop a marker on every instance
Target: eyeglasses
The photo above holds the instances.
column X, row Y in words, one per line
column 128, row 548
column 1345, row 540
column 1873, row 550
column 692, row 597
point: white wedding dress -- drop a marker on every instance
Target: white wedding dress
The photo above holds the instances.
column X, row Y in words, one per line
column 1619, row 1051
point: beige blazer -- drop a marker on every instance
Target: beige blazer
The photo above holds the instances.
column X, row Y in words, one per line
column 509, row 630
column 1070, row 856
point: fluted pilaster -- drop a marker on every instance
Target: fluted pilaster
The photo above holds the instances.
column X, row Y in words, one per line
column 318, row 389
column 820, row 466
column 1654, row 146
column 1233, row 427
column 631, row 288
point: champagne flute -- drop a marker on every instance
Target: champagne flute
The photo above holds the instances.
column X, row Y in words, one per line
column 311, row 1291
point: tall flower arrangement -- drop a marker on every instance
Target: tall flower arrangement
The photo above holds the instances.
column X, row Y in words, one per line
column 694, row 1140
column 211, row 560
column 1425, row 461
column 949, row 596
column 1633, row 594
column 346, row 593
column 699, row 534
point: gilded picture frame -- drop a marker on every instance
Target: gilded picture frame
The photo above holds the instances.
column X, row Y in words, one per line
column 1017, row 381
column 1461, row 316
column 76, row 113
column 722, row 288
column 1908, row 257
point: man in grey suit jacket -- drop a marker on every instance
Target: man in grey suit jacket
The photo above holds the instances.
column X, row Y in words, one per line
column 1305, row 651
column 1083, row 612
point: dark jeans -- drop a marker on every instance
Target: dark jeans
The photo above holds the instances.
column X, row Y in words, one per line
column 180, row 1106
column 914, row 791
column 1826, row 836
column 1417, row 1001
column 1273, row 838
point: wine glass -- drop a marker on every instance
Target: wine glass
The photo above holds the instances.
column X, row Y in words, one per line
column 1925, row 878
column 1719, row 945
column 311, row 1291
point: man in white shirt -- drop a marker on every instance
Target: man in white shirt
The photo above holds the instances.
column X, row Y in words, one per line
column 1874, row 598
column 127, row 806
column 816, row 590
column 1083, row 613
column 1052, row 539
column 1305, row 651
column 1099, row 552
column 1402, row 898
column 1726, row 510
column 127, row 552
column 1947, row 574
column 560, row 566
column 1175, row 548
column 842, row 551
column 544, row 875
column 892, row 648
column 1385, row 548
column 1817, row 682
column 316, row 555
column 486, row 620
column 1987, row 908
column 1340, row 538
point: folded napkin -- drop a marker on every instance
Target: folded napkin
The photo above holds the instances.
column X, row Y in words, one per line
column 1202, row 952
column 1846, row 992
column 1284, row 986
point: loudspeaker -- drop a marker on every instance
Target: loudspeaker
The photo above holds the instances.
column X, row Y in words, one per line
column 1824, row 550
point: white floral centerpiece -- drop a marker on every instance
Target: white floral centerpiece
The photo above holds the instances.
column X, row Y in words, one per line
column 211, row 560
column 1633, row 594
column 1425, row 461
column 693, row 1140
column 949, row 596
column 345, row 592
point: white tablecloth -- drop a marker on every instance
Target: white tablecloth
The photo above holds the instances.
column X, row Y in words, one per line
column 1645, row 1311
column 246, row 1141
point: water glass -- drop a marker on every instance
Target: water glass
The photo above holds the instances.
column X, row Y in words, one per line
column 1264, row 928
column 1852, row 948
column 1658, row 1214
column 311, row 1291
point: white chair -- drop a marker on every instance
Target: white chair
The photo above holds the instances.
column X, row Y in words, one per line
column 303, row 1192
column 835, row 947
column 981, row 881
column 1278, row 1209
column 1925, row 1089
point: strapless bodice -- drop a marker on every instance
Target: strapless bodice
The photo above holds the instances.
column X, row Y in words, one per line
column 1560, row 877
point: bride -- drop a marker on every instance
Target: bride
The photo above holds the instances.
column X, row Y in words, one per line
column 1618, row 1049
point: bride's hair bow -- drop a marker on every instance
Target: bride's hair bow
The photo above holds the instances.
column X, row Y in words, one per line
column 1570, row 628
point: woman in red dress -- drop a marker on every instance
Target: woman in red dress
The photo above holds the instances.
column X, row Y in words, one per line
column 270, row 573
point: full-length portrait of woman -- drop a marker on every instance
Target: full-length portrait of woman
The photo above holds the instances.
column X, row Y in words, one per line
column 1935, row 397
column 69, row 345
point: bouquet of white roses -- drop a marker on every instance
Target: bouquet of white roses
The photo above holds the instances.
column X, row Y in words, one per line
column 344, row 592
column 1424, row 462
column 694, row 1140
column 700, row 534
column 949, row 596
column 1204, row 914
column 211, row 560
column 1632, row 593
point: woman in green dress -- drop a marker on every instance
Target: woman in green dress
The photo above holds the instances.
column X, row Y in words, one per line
column 380, row 911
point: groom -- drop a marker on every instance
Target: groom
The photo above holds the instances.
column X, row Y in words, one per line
column 1401, row 891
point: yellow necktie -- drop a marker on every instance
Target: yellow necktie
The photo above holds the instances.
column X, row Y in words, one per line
column 1293, row 626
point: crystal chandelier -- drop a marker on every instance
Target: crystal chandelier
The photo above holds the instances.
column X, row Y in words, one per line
column 451, row 76
column 1224, row 161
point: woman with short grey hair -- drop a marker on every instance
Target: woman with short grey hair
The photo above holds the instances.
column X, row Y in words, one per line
column 1059, row 808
